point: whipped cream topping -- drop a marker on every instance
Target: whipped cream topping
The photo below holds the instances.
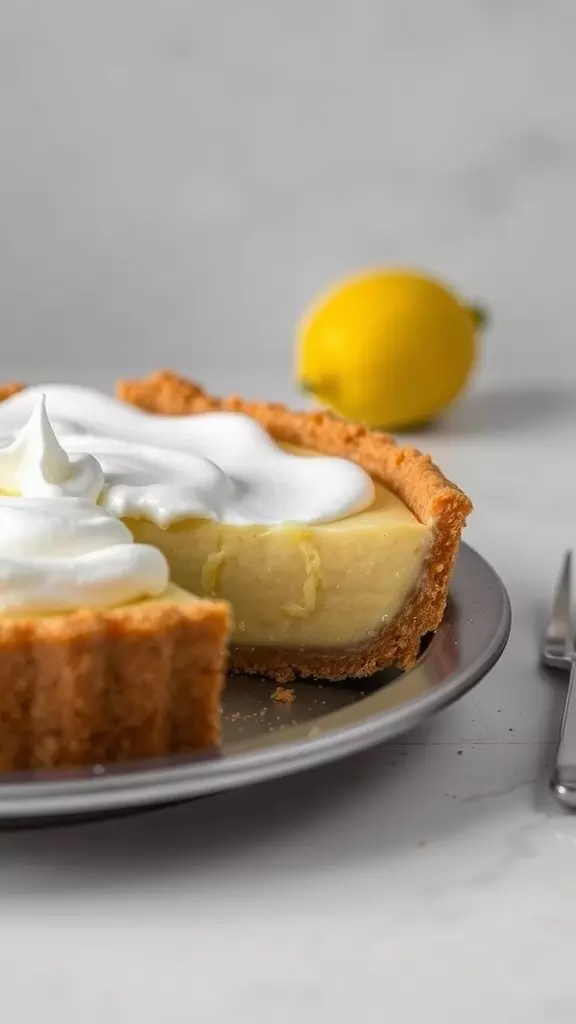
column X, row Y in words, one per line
column 35, row 465
column 215, row 465
column 59, row 550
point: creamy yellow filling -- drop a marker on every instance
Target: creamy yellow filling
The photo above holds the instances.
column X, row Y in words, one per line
column 319, row 586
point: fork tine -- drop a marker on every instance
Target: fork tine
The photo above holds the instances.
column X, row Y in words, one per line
column 559, row 641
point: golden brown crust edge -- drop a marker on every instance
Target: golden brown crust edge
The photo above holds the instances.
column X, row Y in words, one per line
column 433, row 499
column 132, row 682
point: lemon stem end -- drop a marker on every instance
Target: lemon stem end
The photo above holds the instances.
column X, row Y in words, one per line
column 479, row 315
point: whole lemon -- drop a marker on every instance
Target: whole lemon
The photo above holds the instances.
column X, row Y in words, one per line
column 389, row 348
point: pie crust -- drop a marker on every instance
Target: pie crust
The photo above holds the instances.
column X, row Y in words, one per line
column 412, row 476
column 136, row 681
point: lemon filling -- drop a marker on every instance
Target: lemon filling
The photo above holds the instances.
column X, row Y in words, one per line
column 330, row 585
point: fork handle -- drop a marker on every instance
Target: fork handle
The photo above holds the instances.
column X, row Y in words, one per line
column 563, row 781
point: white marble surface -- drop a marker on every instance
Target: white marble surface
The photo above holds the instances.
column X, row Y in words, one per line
column 176, row 180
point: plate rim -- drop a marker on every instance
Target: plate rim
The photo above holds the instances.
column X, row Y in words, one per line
column 100, row 789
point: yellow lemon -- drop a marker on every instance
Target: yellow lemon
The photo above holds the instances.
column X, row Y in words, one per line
column 388, row 348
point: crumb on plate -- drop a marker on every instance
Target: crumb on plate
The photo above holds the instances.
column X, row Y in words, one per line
column 284, row 695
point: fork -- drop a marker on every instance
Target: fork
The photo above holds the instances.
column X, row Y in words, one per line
column 558, row 652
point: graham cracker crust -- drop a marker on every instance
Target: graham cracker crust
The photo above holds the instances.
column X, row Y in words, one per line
column 412, row 476
column 132, row 682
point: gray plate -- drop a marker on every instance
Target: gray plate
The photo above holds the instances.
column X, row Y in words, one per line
column 264, row 739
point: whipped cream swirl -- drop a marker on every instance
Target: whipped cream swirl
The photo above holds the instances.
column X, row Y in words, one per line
column 59, row 550
column 217, row 465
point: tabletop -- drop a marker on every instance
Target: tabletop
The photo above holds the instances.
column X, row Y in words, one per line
column 177, row 181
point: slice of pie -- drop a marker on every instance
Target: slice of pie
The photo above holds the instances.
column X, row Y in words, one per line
column 331, row 600
column 101, row 657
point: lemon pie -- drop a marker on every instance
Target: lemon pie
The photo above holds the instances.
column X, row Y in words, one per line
column 147, row 539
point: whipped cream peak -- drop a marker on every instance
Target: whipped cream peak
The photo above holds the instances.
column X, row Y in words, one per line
column 36, row 464
column 59, row 549
column 216, row 465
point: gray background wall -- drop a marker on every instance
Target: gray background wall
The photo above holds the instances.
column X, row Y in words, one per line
column 177, row 179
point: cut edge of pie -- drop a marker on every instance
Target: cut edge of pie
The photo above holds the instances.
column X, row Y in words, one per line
column 412, row 476
column 118, row 684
